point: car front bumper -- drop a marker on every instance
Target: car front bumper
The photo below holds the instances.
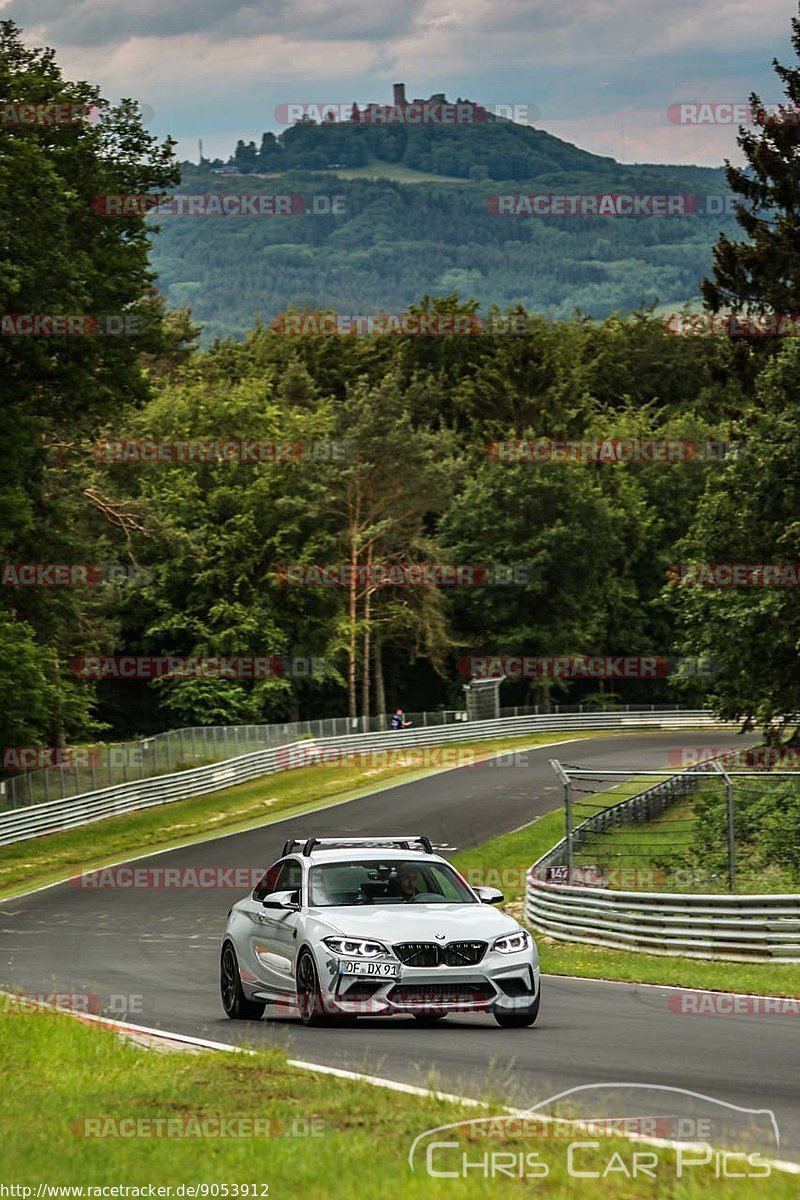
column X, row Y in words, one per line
column 504, row 987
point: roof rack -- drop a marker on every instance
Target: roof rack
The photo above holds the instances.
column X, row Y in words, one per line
column 402, row 842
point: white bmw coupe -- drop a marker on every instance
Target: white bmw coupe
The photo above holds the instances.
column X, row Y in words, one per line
column 350, row 927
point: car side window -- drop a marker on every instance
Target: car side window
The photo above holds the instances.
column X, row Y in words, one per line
column 283, row 876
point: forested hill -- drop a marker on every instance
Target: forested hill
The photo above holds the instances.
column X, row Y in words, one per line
column 493, row 148
column 414, row 217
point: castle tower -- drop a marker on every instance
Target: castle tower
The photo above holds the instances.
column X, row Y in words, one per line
column 399, row 90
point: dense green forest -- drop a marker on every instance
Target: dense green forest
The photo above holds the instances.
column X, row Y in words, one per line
column 402, row 229
column 391, row 465
column 392, row 240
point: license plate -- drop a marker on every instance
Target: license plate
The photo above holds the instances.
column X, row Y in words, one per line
column 381, row 970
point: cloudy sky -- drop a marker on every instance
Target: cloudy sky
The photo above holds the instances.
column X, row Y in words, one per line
column 601, row 73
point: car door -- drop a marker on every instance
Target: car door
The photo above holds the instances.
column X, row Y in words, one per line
column 276, row 937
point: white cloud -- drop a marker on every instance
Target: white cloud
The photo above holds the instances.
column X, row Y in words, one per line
column 222, row 66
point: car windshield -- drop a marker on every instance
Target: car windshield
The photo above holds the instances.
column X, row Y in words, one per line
column 380, row 882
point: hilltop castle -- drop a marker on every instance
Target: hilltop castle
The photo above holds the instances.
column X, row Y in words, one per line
column 402, row 110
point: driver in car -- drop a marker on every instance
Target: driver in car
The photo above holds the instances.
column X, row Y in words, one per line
column 406, row 882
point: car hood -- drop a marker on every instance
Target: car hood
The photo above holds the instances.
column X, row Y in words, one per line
column 418, row 922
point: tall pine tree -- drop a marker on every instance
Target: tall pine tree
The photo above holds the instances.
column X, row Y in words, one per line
column 763, row 274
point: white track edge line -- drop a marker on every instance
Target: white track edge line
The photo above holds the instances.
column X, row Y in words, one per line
column 672, row 987
column 786, row 1166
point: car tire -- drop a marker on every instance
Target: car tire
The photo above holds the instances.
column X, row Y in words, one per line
column 309, row 995
column 234, row 1001
column 522, row 1017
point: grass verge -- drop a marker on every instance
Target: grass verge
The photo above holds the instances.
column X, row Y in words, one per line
column 503, row 863
column 43, row 860
column 74, row 1074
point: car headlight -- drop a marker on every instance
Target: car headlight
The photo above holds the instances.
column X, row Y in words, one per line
column 355, row 947
column 512, row 943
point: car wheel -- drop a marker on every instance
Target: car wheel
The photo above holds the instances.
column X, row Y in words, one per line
column 309, row 996
column 522, row 1017
column 234, row 1001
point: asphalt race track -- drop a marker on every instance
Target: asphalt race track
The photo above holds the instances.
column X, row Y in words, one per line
column 161, row 947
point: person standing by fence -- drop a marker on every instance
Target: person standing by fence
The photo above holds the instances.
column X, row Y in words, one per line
column 398, row 720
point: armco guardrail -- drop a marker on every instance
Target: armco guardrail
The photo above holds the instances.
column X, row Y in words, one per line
column 740, row 928
column 104, row 766
column 38, row 819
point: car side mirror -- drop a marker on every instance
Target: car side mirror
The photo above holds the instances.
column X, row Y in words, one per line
column 282, row 900
column 489, row 895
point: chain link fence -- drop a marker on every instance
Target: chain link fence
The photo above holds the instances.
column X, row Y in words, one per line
column 707, row 829
column 104, row 765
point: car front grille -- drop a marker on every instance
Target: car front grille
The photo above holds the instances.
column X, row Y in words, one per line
column 428, row 954
column 418, row 954
column 463, row 954
column 414, row 995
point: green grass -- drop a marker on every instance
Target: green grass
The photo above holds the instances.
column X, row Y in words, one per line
column 126, row 762
column 378, row 169
column 68, row 1073
column 39, row 861
column 503, row 863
